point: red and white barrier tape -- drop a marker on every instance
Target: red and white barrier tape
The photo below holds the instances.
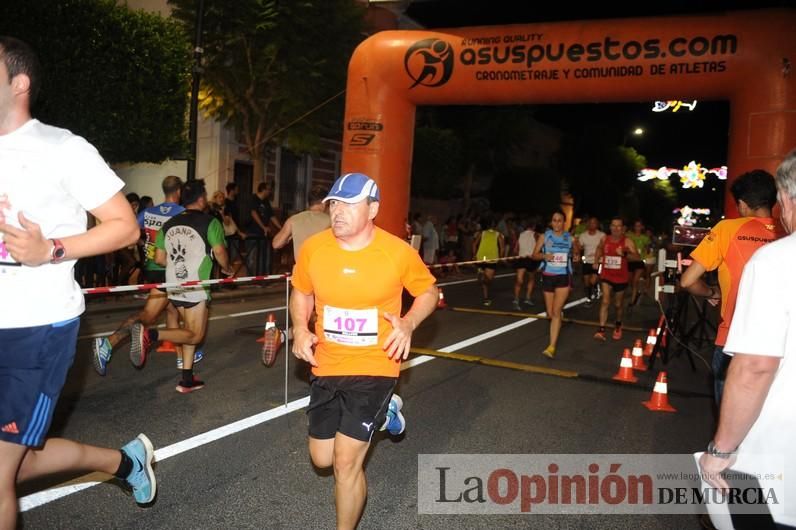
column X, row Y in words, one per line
column 193, row 283
column 226, row 281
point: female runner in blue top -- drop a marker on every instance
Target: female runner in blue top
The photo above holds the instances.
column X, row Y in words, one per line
column 555, row 250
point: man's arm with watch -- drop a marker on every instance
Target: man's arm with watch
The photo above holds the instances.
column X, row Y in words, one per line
column 749, row 378
column 118, row 228
column 691, row 280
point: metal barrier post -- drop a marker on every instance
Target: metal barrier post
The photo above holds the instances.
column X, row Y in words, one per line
column 287, row 332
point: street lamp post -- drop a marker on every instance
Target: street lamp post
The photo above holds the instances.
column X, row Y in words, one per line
column 194, row 110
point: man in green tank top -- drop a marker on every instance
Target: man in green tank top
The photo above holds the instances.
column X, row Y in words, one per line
column 488, row 246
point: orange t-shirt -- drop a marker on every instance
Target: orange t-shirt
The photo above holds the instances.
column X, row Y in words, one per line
column 728, row 247
column 353, row 290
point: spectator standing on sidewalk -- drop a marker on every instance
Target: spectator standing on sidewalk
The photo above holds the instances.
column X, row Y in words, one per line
column 259, row 227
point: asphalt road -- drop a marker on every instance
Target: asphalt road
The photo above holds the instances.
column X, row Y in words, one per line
column 257, row 473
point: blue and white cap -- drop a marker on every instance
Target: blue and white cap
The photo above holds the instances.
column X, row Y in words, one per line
column 353, row 187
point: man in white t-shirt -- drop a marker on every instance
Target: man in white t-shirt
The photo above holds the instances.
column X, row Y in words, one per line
column 589, row 241
column 430, row 241
column 523, row 266
column 757, row 431
column 49, row 178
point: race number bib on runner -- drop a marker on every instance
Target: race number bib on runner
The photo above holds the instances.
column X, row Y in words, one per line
column 351, row 327
column 613, row 262
column 560, row 258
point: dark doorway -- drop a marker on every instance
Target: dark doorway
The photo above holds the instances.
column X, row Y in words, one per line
column 291, row 183
column 243, row 174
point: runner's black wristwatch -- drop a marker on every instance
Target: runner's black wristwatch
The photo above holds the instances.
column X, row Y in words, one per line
column 712, row 451
column 58, row 252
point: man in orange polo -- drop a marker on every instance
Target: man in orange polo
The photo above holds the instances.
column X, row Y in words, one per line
column 728, row 247
column 353, row 275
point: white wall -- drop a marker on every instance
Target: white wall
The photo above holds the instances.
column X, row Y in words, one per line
column 216, row 152
column 145, row 179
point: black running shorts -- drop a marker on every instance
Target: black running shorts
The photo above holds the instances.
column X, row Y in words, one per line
column 617, row 287
column 527, row 264
column 151, row 276
column 635, row 265
column 354, row 405
column 551, row 282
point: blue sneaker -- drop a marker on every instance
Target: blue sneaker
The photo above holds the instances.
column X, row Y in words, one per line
column 394, row 423
column 102, row 350
column 198, row 355
column 141, row 479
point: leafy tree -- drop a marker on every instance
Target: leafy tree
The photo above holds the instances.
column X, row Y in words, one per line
column 117, row 77
column 268, row 62
column 487, row 135
column 652, row 202
column 526, row 190
column 598, row 174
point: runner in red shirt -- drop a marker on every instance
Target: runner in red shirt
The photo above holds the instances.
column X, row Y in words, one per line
column 612, row 254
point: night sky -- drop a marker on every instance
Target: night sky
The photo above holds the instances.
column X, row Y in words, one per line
column 670, row 139
column 457, row 13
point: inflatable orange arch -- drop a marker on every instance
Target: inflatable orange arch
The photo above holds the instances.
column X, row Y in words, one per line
column 743, row 57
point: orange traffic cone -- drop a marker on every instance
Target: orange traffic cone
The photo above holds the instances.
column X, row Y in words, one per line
column 660, row 331
column 270, row 322
column 166, row 346
column 625, row 373
column 652, row 339
column 441, row 304
column 638, row 357
column 659, row 401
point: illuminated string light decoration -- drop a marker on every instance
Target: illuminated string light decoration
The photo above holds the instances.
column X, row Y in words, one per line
column 691, row 176
column 675, row 105
column 662, row 173
column 687, row 214
column 720, row 172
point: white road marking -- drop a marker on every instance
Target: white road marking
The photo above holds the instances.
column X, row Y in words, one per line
column 40, row 498
column 478, row 338
column 87, row 481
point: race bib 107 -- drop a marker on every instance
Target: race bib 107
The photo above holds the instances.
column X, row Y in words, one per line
column 351, row 327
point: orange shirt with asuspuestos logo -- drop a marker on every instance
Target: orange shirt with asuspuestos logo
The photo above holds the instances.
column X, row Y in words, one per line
column 728, row 247
column 353, row 290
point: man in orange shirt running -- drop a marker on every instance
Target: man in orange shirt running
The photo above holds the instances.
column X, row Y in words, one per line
column 728, row 247
column 353, row 275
